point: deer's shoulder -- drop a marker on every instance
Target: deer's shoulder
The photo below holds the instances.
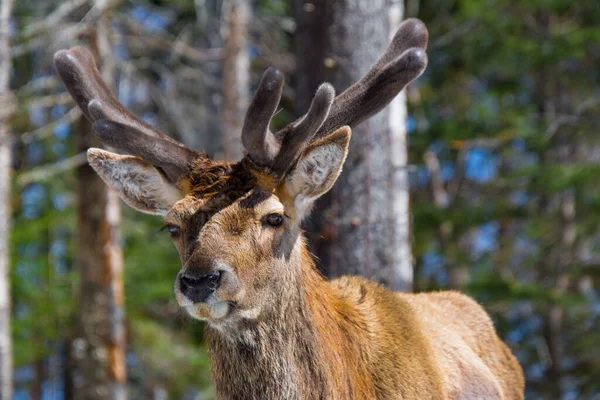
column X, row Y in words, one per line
column 474, row 361
column 401, row 358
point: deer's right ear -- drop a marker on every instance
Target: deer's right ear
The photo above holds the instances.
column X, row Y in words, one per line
column 317, row 170
column 138, row 183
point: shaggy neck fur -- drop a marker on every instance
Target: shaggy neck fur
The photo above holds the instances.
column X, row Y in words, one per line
column 307, row 345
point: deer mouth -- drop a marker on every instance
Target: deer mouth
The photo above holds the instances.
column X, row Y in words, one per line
column 210, row 308
column 212, row 311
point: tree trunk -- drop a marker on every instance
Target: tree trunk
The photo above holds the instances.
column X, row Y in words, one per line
column 98, row 351
column 312, row 18
column 67, row 366
column 236, row 76
column 6, row 105
column 99, row 348
column 37, row 386
column 312, row 22
column 369, row 219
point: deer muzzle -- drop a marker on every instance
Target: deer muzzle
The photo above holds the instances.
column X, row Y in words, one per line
column 198, row 287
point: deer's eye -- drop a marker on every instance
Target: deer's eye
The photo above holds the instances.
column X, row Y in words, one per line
column 274, row 220
column 173, row 230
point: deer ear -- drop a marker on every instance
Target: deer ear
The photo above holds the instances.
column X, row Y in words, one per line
column 138, row 183
column 317, row 170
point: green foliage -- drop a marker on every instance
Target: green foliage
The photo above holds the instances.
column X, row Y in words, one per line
column 522, row 76
column 150, row 261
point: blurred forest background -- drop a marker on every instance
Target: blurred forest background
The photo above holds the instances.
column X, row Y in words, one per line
column 503, row 166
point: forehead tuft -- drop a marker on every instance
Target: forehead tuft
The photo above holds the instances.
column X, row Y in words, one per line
column 212, row 186
column 218, row 179
column 208, row 179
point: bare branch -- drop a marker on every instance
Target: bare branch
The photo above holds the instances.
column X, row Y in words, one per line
column 37, row 85
column 51, row 100
column 440, row 195
column 454, row 34
column 178, row 48
column 45, row 172
column 459, row 173
column 54, row 20
column 48, row 129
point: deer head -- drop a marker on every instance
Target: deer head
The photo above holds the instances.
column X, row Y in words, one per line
column 236, row 225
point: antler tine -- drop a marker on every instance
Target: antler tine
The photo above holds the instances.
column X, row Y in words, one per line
column 403, row 61
column 257, row 138
column 277, row 151
column 296, row 135
column 412, row 33
column 113, row 124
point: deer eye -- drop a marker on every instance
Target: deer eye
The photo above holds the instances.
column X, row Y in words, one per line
column 173, row 230
column 274, row 220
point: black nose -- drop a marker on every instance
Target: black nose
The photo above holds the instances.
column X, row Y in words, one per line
column 197, row 287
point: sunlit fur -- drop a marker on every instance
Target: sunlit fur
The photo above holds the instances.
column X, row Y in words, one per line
column 276, row 329
column 291, row 334
column 284, row 332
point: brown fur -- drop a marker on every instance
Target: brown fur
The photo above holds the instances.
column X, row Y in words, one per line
column 353, row 339
column 290, row 334
column 278, row 330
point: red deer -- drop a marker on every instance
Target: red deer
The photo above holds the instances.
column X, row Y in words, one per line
column 276, row 329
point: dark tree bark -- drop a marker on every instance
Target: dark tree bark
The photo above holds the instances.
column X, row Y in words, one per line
column 368, row 221
column 99, row 348
column 312, row 19
column 37, row 386
column 67, row 374
column 6, row 107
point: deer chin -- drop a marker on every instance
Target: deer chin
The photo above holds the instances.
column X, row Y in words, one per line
column 210, row 311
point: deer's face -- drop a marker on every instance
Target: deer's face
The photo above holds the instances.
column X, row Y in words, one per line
column 236, row 228
column 235, row 259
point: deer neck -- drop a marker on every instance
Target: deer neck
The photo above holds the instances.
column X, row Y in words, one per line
column 305, row 347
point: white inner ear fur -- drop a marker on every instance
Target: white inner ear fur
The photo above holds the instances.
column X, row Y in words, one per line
column 314, row 175
column 138, row 183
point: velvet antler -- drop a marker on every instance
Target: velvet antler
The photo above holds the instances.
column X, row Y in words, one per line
column 404, row 61
column 277, row 151
column 112, row 123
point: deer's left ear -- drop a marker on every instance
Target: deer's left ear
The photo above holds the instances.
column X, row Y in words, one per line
column 317, row 170
column 138, row 183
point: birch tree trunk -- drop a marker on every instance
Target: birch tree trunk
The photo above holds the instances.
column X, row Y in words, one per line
column 99, row 350
column 368, row 223
column 6, row 105
column 236, row 76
